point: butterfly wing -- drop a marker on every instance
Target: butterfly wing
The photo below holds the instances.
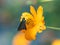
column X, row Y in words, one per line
column 22, row 25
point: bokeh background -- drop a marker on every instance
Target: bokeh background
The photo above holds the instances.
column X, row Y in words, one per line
column 11, row 10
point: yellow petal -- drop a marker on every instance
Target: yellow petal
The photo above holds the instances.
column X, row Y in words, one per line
column 39, row 12
column 31, row 34
column 32, row 10
column 40, row 31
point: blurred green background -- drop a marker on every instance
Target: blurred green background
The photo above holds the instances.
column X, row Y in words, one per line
column 11, row 10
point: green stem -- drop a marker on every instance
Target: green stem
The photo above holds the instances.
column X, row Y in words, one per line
column 53, row 28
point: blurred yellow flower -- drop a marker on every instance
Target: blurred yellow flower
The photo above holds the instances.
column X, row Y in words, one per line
column 34, row 22
column 56, row 42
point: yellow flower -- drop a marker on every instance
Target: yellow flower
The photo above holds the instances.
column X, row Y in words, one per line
column 34, row 22
column 56, row 42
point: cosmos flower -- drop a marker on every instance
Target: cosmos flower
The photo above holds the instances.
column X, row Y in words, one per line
column 34, row 22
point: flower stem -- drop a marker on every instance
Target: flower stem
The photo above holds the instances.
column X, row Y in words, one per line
column 56, row 28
